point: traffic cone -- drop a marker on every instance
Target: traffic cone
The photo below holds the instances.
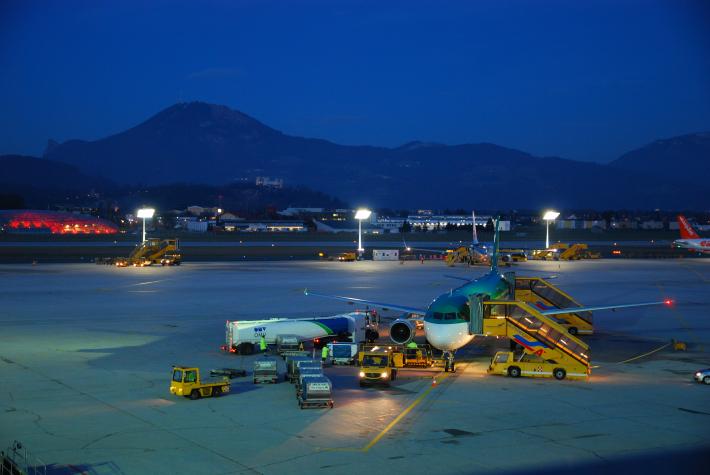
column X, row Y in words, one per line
column 433, row 382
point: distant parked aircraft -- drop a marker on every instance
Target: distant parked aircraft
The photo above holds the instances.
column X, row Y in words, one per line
column 689, row 239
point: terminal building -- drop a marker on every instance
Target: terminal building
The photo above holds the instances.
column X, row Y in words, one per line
column 53, row 222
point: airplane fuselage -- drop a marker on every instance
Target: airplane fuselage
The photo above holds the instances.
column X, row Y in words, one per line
column 697, row 245
column 446, row 320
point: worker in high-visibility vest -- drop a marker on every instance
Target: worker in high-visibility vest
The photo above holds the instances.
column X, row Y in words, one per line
column 262, row 344
column 324, row 353
column 412, row 345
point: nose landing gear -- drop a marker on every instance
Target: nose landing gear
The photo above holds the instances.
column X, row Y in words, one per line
column 449, row 363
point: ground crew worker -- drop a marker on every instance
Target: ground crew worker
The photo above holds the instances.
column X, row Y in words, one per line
column 324, row 353
column 412, row 345
column 262, row 344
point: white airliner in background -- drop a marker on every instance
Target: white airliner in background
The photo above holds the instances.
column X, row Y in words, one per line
column 689, row 239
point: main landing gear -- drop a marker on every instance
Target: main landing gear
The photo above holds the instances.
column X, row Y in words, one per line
column 449, row 363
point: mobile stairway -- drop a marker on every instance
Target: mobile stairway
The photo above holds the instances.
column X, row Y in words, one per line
column 545, row 348
column 543, row 295
column 153, row 251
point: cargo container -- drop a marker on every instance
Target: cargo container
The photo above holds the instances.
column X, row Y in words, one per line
column 317, row 392
column 342, row 353
column 292, row 366
column 266, row 371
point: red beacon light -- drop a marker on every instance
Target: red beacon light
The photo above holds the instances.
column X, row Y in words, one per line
column 668, row 302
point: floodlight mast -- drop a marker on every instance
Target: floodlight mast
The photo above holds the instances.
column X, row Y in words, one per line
column 361, row 214
column 145, row 213
column 549, row 216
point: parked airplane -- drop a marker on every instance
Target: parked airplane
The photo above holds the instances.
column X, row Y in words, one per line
column 478, row 250
column 446, row 319
column 689, row 239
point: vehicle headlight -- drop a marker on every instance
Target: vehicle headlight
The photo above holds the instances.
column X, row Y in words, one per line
column 384, row 374
column 362, row 374
column 698, row 374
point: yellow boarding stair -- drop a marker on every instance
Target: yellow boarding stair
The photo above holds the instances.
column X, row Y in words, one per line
column 541, row 294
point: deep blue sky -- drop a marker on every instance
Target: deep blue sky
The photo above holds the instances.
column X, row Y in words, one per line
column 583, row 80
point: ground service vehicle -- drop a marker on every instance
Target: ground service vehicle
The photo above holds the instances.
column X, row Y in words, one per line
column 152, row 251
column 186, row 382
column 464, row 255
column 419, row 357
column 347, row 257
column 505, row 363
column 377, row 367
column 317, row 392
column 265, row 371
column 243, row 336
column 703, row 376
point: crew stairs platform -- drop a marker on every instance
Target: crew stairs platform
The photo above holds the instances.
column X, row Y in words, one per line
column 540, row 338
column 541, row 294
column 153, row 249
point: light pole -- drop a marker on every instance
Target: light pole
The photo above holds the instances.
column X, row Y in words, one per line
column 549, row 216
column 361, row 214
column 145, row 213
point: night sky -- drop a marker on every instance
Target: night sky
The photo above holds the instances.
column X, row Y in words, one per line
column 582, row 80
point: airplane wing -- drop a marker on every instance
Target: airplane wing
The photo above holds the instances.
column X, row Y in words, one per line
column 465, row 279
column 559, row 311
column 382, row 305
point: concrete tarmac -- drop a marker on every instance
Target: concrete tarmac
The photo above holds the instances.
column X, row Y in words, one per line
column 86, row 350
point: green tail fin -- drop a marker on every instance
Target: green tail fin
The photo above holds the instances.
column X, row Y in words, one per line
column 496, row 245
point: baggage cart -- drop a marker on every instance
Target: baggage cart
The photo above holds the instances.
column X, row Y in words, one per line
column 287, row 343
column 309, row 363
column 291, row 366
column 231, row 373
column 265, row 371
column 343, row 353
column 305, row 373
column 317, row 392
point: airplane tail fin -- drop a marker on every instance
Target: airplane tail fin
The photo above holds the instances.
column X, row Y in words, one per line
column 496, row 245
column 474, row 235
column 686, row 230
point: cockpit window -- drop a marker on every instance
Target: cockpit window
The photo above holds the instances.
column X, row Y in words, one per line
column 438, row 316
column 449, row 316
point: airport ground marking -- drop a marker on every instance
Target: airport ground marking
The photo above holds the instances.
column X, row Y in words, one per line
column 440, row 376
column 648, row 353
column 694, row 271
column 127, row 413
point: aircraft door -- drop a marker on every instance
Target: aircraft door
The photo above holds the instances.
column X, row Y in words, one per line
column 475, row 304
column 509, row 278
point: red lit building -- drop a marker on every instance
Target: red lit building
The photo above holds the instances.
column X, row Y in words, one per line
column 54, row 222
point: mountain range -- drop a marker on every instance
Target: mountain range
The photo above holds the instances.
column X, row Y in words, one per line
column 211, row 144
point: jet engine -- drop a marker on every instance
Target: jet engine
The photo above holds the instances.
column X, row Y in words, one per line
column 403, row 331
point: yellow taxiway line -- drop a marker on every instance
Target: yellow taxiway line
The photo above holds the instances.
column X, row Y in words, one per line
column 681, row 320
column 438, row 377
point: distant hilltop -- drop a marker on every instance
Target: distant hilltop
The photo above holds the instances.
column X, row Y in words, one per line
column 205, row 143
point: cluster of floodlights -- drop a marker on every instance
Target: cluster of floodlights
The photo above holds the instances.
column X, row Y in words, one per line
column 547, row 217
column 145, row 213
column 362, row 214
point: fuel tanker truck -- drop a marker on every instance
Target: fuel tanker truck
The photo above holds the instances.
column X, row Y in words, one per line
column 243, row 336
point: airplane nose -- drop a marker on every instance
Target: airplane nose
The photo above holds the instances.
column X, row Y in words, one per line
column 434, row 338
